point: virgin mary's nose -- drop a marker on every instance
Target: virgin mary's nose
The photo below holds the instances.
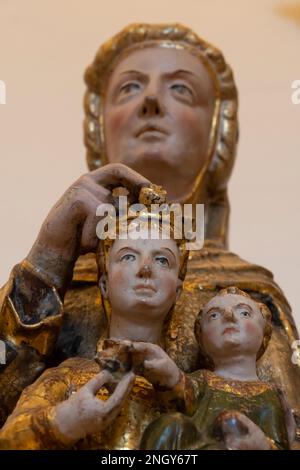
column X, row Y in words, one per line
column 151, row 107
column 145, row 270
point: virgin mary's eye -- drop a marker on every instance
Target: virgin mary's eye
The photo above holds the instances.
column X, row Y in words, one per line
column 162, row 260
column 128, row 257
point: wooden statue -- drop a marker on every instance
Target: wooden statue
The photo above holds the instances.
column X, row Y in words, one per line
column 161, row 107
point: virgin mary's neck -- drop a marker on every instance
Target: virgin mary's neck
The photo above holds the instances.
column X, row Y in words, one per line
column 137, row 329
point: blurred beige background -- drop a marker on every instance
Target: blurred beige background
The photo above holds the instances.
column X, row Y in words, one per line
column 44, row 49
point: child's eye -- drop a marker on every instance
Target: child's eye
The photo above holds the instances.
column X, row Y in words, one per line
column 214, row 315
column 128, row 257
column 162, row 260
column 245, row 314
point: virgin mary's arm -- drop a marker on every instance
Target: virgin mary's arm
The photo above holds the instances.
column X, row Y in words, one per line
column 30, row 319
column 31, row 426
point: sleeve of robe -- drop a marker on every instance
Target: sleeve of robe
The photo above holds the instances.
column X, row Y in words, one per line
column 31, row 426
column 185, row 395
column 31, row 314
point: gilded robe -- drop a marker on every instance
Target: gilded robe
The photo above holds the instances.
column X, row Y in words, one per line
column 41, row 329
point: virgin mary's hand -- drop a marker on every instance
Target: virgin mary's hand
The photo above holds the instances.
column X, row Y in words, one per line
column 151, row 361
column 83, row 413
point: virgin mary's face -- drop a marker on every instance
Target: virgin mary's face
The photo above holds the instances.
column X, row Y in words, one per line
column 142, row 277
column 157, row 116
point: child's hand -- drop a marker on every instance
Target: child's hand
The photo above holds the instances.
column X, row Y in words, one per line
column 238, row 432
column 154, row 364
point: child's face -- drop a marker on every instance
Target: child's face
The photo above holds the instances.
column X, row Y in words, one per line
column 232, row 324
column 143, row 276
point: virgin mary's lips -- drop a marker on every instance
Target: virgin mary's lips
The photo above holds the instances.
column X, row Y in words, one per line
column 145, row 287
